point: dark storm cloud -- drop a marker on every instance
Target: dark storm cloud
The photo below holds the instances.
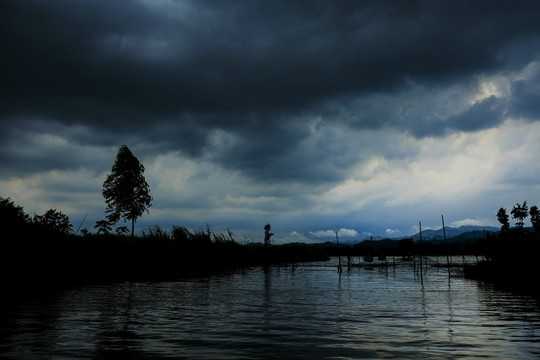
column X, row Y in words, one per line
column 482, row 115
column 168, row 73
column 45, row 148
column 526, row 98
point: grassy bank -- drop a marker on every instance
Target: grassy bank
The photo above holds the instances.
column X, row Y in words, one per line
column 37, row 258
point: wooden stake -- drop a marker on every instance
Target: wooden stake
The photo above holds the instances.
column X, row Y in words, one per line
column 339, row 256
column 446, row 244
column 420, row 252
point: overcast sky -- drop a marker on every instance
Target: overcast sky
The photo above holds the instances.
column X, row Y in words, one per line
column 314, row 116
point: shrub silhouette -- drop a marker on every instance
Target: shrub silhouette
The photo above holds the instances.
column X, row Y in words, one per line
column 12, row 215
column 55, row 221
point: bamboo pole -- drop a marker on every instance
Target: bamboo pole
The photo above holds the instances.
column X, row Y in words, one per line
column 339, row 256
column 79, row 228
column 446, row 244
column 420, row 252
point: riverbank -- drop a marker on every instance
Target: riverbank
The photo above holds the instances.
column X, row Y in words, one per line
column 48, row 262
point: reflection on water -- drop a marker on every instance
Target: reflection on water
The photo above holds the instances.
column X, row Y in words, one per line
column 309, row 312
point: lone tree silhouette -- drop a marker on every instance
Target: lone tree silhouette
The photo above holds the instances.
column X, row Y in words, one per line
column 125, row 190
column 267, row 235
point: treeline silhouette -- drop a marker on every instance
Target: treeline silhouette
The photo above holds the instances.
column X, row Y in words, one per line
column 511, row 260
column 512, row 255
column 43, row 254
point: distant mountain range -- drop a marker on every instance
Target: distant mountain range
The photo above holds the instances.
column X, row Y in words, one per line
column 464, row 234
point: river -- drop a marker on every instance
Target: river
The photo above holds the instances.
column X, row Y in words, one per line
column 306, row 312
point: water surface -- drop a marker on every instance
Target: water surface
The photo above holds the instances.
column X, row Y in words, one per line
column 310, row 312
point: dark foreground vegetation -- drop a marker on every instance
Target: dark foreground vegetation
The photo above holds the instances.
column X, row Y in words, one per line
column 512, row 261
column 40, row 258
column 44, row 253
column 512, row 256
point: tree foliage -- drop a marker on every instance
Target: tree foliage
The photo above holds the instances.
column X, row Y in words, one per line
column 12, row 215
column 503, row 218
column 519, row 212
column 125, row 189
column 534, row 214
column 103, row 227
